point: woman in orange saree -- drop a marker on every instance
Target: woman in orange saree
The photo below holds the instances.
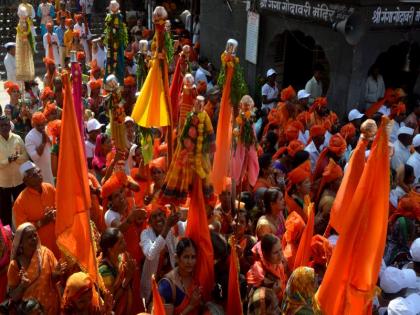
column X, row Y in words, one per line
column 33, row 270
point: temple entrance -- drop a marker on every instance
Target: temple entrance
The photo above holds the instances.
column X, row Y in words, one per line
column 294, row 58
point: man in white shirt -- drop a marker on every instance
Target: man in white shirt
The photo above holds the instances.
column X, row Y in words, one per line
column 99, row 52
column 202, row 74
column 12, row 155
column 38, row 146
column 93, row 130
column 51, row 44
column 84, row 35
column 314, row 148
column 375, row 86
column 414, row 159
column 270, row 91
column 402, row 147
column 156, row 241
column 10, row 61
column 314, row 85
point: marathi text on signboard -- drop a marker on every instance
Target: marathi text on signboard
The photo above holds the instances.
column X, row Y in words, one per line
column 397, row 16
column 319, row 11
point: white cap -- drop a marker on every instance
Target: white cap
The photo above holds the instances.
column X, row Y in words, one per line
column 93, row 124
column 9, row 44
column 302, row 94
column 405, row 306
column 28, row 165
column 394, row 280
column 354, row 114
column 270, row 72
column 415, row 250
column 333, row 239
column 405, row 131
column 128, row 118
column 416, row 141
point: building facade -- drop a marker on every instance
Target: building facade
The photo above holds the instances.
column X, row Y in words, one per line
column 291, row 36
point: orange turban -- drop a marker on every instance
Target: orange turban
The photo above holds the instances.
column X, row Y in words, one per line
column 348, row 131
column 48, row 61
column 398, row 109
column 327, row 124
column 146, row 33
column 321, row 250
column 298, row 125
column 69, row 22
column 117, row 181
column 331, row 173
column 288, row 94
column 11, row 87
column 81, row 56
column 95, row 84
column 77, row 17
column 38, row 118
column 129, row 55
column 129, row 81
column 158, row 163
column 293, row 147
column 46, row 93
column 201, row 87
column 316, row 131
column 76, row 33
column 300, row 173
column 49, row 108
column 304, row 118
column 337, row 145
column 291, row 132
column 54, row 130
column 318, row 103
column 407, row 207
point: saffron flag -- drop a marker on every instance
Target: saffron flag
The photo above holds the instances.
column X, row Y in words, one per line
column 158, row 307
column 72, row 227
column 234, row 303
column 198, row 231
column 223, row 136
column 349, row 282
column 339, row 211
column 303, row 253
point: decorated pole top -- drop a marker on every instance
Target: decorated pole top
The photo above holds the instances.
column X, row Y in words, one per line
column 199, row 103
column 159, row 14
column 114, row 7
column 188, row 80
column 111, row 83
column 143, row 46
column 22, row 12
column 231, row 46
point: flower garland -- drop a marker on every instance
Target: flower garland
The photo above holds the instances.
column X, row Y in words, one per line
column 169, row 47
column 193, row 139
column 244, row 132
column 238, row 86
column 115, row 36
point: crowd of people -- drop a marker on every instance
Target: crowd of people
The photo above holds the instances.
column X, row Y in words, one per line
column 268, row 216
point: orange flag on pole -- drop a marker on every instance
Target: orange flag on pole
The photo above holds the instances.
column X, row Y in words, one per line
column 72, row 227
column 198, row 231
column 223, row 135
column 158, row 307
column 303, row 253
column 234, row 303
column 339, row 212
column 349, row 282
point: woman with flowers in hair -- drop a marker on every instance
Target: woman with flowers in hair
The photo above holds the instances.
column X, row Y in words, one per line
column 25, row 47
column 191, row 158
column 245, row 158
